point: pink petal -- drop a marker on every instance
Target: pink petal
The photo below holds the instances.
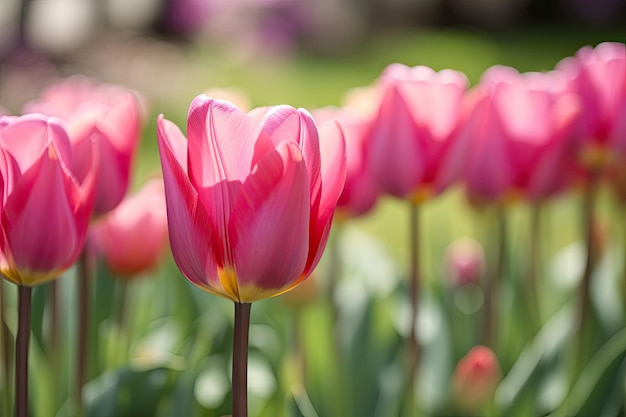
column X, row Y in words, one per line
column 39, row 221
column 396, row 154
column 270, row 225
column 26, row 139
column 333, row 152
column 221, row 142
column 284, row 123
column 524, row 113
column 490, row 171
column 192, row 237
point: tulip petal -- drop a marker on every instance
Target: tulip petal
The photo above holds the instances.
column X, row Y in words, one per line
column 41, row 240
column 284, row 123
column 221, row 142
column 191, row 235
column 26, row 139
column 489, row 173
column 333, row 173
column 270, row 225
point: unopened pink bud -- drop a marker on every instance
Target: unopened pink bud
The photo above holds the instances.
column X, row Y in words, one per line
column 476, row 378
column 464, row 262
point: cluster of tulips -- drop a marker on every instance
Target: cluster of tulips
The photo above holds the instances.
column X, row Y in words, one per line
column 251, row 196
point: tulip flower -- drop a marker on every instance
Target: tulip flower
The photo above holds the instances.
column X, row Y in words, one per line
column 250, row 200
column 108, row 115
column 131, row 238
column 476, row 378
column 250, row 197
column 360, row 191
column 518, row 133
column 413, row 137
column 45, row 209
column 598, row 76
column 45, row 213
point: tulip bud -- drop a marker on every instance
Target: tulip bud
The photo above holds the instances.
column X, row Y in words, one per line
column 476, row 378
column 131, row 238
column 464, row 262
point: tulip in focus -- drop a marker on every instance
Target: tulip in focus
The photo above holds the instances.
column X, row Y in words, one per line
column 45, row 208
column 132, row 237
column 598, row 76
column 519, row 131
column 108, row 115
column 464, row 262
column 476, row 378
column 413, row 137
column 250, row 197
column 360, row 191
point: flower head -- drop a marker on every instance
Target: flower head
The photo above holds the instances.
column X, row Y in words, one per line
column 45, row 209
column 107, row 115
column 250, row 197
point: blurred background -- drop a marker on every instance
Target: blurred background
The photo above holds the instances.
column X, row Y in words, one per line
column 309, row 54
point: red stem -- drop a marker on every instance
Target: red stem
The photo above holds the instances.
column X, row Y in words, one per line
column 240, row 360
column 21, row 352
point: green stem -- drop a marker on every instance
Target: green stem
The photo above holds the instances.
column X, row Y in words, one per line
column 414, row 297
column 54, row 351
column 534, row 262
column 494, row 278
column 6, row 353
column 85, row 272
column 21, row 352
column 122, row 318
column 584, row 301
column 240, row 360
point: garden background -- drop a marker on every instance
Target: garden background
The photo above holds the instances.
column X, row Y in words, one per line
column 161, row 347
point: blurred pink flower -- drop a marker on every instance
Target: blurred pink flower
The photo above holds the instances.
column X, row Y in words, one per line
column 519, row 131
column 476, row 378
column 250, row 197
column 412, row 137
column 598, row 76
column 45, row 209
column 360, row 192
column 464, row 262
column 132, row 237
column 108, row 115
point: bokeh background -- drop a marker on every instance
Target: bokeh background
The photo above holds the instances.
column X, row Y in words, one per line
column 307, row 54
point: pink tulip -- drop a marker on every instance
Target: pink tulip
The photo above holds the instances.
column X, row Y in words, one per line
column 132, row 237
column 476, row 378
column 45, row 209
column 250, row 197
column 360, row 191
column 518, row 133
column 413, row 135
column 598, row 75
column 107, row 114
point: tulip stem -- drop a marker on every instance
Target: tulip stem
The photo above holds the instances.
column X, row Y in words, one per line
column 240, row 360
column 54, row 352
column 533, row 264
column 21, row 352
column 6, row 355
column 494, row 277
column 84, row 280
column 584, row 304
column 414, row 297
